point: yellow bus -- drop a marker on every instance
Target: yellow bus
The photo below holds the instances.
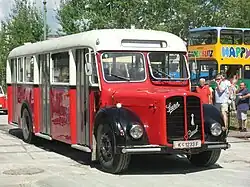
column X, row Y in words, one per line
column 215, row 50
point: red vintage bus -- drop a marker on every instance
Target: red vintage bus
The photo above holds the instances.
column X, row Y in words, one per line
column 113, row 93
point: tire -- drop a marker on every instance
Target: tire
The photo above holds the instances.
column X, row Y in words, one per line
column 110, row 162
column 205, row 159
column 27, row 127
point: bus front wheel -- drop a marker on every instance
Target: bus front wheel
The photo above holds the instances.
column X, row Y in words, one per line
column 109, row 161
column 27, row 127
column 205, row 159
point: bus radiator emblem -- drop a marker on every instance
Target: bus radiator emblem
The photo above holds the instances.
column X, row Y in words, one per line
column 191, row 133
column 171, row 108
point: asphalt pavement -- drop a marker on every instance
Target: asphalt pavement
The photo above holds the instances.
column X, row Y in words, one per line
column 54, row 164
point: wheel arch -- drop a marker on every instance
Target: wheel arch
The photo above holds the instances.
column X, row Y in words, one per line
column 212, row 114
column 120, row 119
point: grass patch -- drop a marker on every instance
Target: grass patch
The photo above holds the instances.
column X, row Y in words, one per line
column 234, row 121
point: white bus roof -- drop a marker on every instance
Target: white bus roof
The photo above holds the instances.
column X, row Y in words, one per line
column 106, row 39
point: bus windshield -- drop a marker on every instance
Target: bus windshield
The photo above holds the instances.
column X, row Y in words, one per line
column 206, row 69
column 123, row 66
column 165, row 65
column 203, row 37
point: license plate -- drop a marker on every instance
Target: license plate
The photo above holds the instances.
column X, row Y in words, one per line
column 186, row 144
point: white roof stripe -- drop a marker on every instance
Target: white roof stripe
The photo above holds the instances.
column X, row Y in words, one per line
column 109, row 39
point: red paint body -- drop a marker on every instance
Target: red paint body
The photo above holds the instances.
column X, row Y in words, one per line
column 3, row 101
column 146, row 99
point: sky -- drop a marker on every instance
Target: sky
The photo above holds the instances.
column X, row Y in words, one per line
column 5, row 6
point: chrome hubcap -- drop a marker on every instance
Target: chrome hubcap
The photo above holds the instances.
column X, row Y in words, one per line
column 106, row 147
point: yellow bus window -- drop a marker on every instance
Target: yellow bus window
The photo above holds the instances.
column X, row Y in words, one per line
column 229, row 36
column 247, row 37
column 203, row 37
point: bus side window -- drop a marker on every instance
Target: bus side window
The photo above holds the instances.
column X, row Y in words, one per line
column 13, row 69
column 94, row 75
column 60, row 67
column 29, row 69
column 247, row 72
column 20, row 70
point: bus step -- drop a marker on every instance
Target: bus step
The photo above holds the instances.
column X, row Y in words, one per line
column 81, row 148
column 45, row 136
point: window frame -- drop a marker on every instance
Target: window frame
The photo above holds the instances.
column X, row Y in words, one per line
column 200, row 63
column 124, row 52
column 203, row 31
column 12, row 63
column 244, row 36
column 232, row 30
column 18, row 70
column 25, row 65
column 244, row 69
column 169, row 79
column 241, row 72
column 52, row 68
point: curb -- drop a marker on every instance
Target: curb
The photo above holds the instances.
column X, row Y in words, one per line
column 237, row 134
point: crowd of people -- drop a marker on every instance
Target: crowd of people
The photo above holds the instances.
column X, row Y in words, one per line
column 227, row 96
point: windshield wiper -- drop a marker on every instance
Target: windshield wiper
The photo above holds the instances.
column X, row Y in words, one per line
column 158, row 71
column 120, row 77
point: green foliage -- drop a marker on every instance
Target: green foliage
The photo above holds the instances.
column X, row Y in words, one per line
column 176, row 16
column 24, row 24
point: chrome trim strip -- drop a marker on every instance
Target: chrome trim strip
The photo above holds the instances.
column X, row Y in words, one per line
column 218, row 146
column 13, row 124
column 81, row 148
column 47, row 137
column 135, row 150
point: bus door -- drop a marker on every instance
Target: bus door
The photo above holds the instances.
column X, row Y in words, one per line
column 14, row 90
column 44, row 65
column 82, row 86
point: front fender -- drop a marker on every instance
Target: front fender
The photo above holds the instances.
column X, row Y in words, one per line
column 120, row 121
column 212, row 115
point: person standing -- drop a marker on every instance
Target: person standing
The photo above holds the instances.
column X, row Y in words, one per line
column 242, row 106
column 204, row 91
column 222, row 96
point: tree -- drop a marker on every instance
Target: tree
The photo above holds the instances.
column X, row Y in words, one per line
column 82, row 15
column 176, row 16
column 24, row 24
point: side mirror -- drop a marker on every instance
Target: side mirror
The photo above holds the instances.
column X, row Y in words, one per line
column 88, row 65
column 88, row 69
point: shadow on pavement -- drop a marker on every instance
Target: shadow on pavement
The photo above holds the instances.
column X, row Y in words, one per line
column 159, row 164
column 140, row 165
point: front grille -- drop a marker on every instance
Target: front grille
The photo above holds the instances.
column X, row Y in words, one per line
column 175, row 118
column 194, row 111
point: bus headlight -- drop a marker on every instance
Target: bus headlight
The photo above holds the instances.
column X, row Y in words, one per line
column 216, row 129
column 136, row 131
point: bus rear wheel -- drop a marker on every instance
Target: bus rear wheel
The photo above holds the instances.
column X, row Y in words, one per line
column 109, row 161
column 205, row 159
column 27, row 127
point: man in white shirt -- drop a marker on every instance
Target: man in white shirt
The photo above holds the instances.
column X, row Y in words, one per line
column 222, row 96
